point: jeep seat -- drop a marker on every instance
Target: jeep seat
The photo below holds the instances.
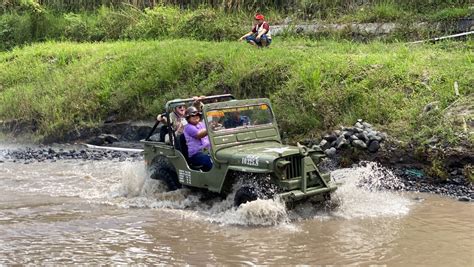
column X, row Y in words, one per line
column 183, row 147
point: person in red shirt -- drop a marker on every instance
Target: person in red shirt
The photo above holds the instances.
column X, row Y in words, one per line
column 260, row 34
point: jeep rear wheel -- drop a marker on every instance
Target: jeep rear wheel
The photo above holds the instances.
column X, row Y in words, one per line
column 162, row 170
column 245, row 194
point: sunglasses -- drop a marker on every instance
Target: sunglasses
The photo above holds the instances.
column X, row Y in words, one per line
column 181, row 107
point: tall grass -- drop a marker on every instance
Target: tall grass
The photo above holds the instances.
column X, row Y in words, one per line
column 234, row 5
column 32, row 22
column 314, row 86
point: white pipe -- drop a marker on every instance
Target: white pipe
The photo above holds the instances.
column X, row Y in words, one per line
column 136, row 150
column 444, row 37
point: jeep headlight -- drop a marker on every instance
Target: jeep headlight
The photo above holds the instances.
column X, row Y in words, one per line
column 281, row 167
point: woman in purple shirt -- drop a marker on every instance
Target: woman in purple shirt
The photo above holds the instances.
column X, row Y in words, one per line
column 196, row 138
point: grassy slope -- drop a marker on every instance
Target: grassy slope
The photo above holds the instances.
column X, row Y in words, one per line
column 313, row 85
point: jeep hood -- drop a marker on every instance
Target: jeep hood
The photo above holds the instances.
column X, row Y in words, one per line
column 255, row 155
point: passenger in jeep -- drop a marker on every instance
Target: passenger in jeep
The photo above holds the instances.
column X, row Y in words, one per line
column 178, row 121
column 197, row 140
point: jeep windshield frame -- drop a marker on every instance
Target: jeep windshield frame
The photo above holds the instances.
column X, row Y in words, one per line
column 233, row 119
column 220, row 139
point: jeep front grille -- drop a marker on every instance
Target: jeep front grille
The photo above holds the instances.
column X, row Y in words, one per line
column 294, row 168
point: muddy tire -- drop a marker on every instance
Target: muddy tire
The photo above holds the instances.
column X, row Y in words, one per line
column 245, row 194
column 162, row 170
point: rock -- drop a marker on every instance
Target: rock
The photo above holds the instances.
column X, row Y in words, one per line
column 109, row 138
column 331, row 152
column 464, row 199
column 362, row 136
column 367, row 125
column 430, row 106
column 360, row 120
column 347, row 134
column 324, row 144
column 382, row 135
column 357, row 130
column 359, row 125
column 341, row 142
column 374, row 146
column 353, row 137
column 330, row 137
column 359, row 144
column 110, row 119
column 433, row 140
column 96, row 141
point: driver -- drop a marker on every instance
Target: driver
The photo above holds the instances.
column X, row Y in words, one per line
column 235, row 120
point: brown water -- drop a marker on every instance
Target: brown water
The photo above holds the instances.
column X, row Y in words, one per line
column 84, row 212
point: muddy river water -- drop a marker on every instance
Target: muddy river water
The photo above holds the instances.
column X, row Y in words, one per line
column 109, row 212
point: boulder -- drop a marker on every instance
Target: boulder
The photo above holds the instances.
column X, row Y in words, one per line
column 341, row 142
column 359, row 144
column 353, row 137
column 330, row 137
column 367, row 125
column 331, row 152
column 109, row 138
column 374, row 146
column 324, row 144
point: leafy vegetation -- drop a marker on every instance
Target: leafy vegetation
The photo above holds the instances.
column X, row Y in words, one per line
column 27, row 21
column 314, row 86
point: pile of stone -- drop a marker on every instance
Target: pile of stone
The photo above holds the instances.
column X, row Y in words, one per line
column 30, row 155
column 361, row 136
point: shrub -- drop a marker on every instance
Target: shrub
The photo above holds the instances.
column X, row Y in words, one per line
column 14, row 30
column 207, row 24
column 76, row 28
column 154, row 23
column 452, row 14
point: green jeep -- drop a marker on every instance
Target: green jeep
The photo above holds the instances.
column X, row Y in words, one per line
column 246, row 151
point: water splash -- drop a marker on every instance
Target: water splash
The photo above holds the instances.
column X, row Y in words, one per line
column 261, row 212
column 126, row 184
column 363, row 193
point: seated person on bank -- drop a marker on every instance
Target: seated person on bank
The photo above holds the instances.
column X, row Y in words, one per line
column 197, row 140
column 235, row 120
column 260, row 34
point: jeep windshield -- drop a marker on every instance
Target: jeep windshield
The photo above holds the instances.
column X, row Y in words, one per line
column 250, row 116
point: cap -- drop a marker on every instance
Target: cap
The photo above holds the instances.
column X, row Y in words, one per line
column 259, row 17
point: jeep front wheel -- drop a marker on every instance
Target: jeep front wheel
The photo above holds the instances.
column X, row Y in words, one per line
column 245, row 194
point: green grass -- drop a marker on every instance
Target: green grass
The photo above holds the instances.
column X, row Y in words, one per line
column 452, row 13
column 314, row 86
column 31, row 22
